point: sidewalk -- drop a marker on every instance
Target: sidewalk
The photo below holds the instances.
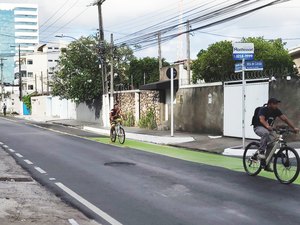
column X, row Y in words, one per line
column 199, row 142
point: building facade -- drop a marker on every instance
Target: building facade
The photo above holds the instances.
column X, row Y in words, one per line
column 38, row 68
column 18, row 28
column 295, row 54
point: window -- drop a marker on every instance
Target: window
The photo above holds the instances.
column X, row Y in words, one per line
column 26, row 23
column 30, row 74
column 30, row 87
column 50, row 60
column 50, row 48
column 56, row 60
column 29, row 61
column 56, row 48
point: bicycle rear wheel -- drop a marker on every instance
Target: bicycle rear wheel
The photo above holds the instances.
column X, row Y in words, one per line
column 121, row 135
column 252, row 164
column 286, row 165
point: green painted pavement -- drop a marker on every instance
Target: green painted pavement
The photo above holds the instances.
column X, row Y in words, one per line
column 231, row 163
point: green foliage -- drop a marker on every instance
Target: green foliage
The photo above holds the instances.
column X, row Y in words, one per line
column 129, row 120
column 148, row 66
column 27, row 101
column 148, row 120
column 216, row 63
column 78, row 76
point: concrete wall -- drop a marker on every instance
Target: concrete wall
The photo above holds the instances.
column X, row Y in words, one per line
column 195, row 111
column 89, row 112
column 288, row 91
column 53, row 107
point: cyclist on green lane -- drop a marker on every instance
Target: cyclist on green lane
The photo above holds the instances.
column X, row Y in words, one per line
column 114, row 115
column 263, row 122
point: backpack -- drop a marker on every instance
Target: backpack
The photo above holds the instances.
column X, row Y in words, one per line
column 255, row 119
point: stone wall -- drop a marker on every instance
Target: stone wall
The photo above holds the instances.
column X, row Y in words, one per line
column 145, row 100
column 148, row 100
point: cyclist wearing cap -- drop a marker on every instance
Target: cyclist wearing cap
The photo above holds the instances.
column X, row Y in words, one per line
column 264, row 123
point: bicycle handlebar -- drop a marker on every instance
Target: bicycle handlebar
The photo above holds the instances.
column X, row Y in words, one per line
column 283, row 130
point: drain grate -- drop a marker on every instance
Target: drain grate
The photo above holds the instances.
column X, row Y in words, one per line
column 119, row 164
column 16, row 179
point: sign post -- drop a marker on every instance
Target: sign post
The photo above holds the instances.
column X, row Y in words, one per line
column 243, row 51
column 172, row 102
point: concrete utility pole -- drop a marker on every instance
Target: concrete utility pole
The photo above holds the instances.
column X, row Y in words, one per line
column 188, row 52
column 2, row 81
column 20, row 75
column 159, row 53
column 112, row 71
column 35, row 83
column 48, row 90
column 101, row 45
column 42, row 83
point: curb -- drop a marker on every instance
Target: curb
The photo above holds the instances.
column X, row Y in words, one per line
column 144, row 137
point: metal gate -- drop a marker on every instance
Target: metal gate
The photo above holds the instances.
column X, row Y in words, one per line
column 257, row 94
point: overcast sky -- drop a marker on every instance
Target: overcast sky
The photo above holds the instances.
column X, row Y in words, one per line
column 121, row 17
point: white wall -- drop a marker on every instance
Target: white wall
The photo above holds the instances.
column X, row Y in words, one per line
column 53, row 107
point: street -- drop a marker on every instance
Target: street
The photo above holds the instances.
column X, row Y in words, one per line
column 125, row 186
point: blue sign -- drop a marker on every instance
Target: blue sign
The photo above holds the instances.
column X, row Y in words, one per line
column 249, row 66
column 254, row 65
column 238, row 68
column 241, row 56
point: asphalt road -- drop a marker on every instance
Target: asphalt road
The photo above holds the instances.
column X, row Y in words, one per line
column 139, row 188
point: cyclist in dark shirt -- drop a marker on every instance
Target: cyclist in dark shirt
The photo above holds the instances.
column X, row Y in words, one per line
column 115, row 114
column 264, row 123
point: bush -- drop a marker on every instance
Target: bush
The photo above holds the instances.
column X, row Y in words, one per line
column 148, row 121
column 129, row 119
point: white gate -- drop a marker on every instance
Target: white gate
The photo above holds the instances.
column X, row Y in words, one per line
column 257, row 94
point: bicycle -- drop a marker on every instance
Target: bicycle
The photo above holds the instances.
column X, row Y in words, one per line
column 286, row 163
column 119, row 132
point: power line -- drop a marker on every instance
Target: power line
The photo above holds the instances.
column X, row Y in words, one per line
column 55, row 13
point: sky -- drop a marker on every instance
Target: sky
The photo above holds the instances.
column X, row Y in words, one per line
column 75, row 18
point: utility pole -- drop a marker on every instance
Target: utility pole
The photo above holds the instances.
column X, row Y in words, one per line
column 159, row 54
column 188, row 52
column 2, row 81
column 144, row 78
column 20, row 74
column 101, row 45
column 42, row 83
column 48, row 82
column 112, row 71
column 35, row 83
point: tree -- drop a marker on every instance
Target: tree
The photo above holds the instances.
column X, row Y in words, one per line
column 78, row 75
column 144, row 66
column 216, row 63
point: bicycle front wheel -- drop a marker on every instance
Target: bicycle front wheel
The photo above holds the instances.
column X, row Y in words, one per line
column 286, row 165
column 121, row 135
column 252, row 164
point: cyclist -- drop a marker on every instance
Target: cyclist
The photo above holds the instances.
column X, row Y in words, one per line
column 115, row 114
column 263, row 123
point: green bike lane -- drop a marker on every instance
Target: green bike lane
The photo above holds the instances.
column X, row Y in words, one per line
column 211, row 159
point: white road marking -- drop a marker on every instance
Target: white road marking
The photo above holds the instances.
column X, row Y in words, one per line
column 19, row 155
column 28, row 162
column 5, row 146
column 1, row 143
column 40, row 170
column 11, row 150
column 89, row 205
column 73, row 222
column 52, row 178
